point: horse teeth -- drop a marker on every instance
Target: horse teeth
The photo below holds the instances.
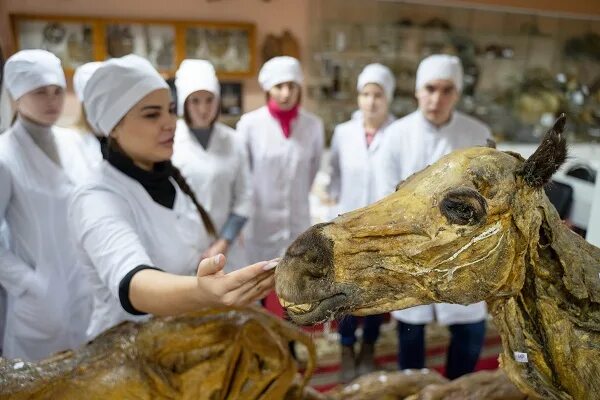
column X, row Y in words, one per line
column 285, row 304
column 296, row 308
column 300, row 308
column 304, row 307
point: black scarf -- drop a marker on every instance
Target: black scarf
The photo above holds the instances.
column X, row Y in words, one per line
column 156, row 182
column 103, row 140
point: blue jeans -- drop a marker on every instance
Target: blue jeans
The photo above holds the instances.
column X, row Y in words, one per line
column 463, row 353
column 348, row 324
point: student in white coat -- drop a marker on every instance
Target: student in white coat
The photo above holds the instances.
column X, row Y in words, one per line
column 137, row 224
column 284, row 145
column 413, row 142
column 48, row 295
column 212, row 158
column 355, row 166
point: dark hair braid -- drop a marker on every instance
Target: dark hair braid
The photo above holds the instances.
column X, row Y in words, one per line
column 185, row 188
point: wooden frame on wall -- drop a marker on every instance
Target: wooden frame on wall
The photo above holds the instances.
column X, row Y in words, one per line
column 230, row 46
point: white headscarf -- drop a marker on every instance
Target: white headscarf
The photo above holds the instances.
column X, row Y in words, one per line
column 82, row 75
column 380, row 75
column 440, row 66
column 192, row 76
column 279, row 70
column 6, row 110
column 25, row 71
column 28, row 70
column 116, row 86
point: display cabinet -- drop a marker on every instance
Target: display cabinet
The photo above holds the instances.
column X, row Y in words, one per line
column 520, row 70
column 230, row 46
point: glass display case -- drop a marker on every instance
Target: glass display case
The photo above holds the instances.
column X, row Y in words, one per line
column 228, row 49
column 70, row 41
column 230, row 46
column 520, row 70
column 152, row 41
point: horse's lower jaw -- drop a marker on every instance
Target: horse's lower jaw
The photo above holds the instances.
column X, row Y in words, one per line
column 361, row 312
column 316, row 312
column 384, row 306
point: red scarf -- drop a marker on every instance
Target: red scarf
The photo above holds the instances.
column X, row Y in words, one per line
column 285, row 117
column 370, row 135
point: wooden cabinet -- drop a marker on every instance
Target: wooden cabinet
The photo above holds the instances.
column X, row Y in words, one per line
column 230, row 46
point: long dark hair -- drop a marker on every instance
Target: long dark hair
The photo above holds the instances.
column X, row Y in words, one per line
column 185, row 188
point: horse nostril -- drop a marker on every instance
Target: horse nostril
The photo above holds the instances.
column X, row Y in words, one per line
column 313, row 265
column 314, row 250
column 297, row 249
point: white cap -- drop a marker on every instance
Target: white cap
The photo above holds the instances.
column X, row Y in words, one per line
column 82, row 76
column 194, row 75
column 380, row 75
column 440, row 66
column 28, row 70
column 6, row 110
column 116, row 86
column 279, row 70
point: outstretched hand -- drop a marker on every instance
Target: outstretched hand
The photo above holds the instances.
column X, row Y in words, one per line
column 238, row 288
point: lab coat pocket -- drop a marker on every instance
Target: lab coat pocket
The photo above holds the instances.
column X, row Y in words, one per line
column 37, row 311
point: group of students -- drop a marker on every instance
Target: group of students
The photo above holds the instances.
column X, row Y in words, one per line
column 132, row 215
column 370, row 155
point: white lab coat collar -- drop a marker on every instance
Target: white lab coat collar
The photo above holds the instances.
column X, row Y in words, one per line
column 183, row 134
column 427, row 125
column 45, row 169
column 378, row 139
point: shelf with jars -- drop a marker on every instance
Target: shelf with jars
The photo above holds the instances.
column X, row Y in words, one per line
column 516, row 80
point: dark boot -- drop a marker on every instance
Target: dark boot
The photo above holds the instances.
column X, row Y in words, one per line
column 366, row 359
column 347, row 364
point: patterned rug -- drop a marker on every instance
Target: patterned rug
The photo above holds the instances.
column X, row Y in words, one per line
column 326, row 340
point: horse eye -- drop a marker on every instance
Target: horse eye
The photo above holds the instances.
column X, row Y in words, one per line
column 463, row 206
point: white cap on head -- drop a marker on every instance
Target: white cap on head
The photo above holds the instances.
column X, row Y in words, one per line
column 194, row 75
column 380, row 75
column 116, row 86
column 440, row 66
column 82, row 76
column 28, row 70
column 279, row 70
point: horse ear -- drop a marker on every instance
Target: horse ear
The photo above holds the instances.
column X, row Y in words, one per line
column 548, row 157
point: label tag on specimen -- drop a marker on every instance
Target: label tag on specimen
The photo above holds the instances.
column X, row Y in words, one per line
column 520, row 357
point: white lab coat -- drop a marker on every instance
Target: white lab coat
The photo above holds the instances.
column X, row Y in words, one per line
column 48, row 305
column 413, row 143
column 89, row 154
column 117, row 227
column 283, row 171
column 220, row 178
column 355, row 169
